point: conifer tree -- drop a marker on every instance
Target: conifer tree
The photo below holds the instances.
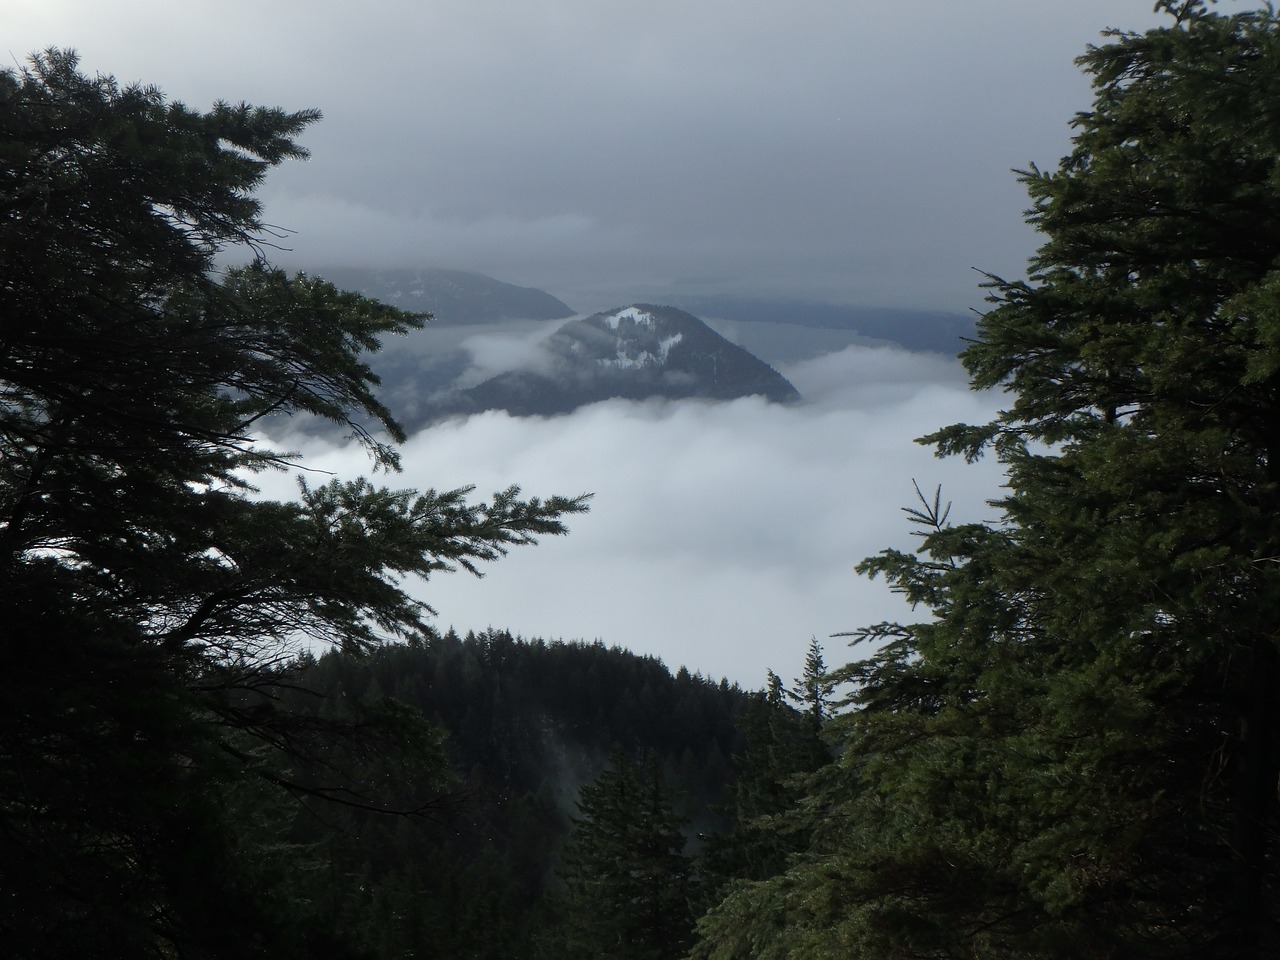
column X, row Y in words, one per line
column 627, row 880
column 146, row 600
column 1076, row 754
column 783, row 743
column 815, row 687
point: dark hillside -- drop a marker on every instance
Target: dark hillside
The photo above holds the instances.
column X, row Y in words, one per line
column 528, row 724
column 452, row 297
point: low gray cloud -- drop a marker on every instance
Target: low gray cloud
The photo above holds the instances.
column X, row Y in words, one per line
column 501, row 351
column 722, row 535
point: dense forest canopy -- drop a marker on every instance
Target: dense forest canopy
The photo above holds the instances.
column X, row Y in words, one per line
column 533, row 728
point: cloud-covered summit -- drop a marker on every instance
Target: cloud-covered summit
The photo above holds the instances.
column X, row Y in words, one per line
column 638, row 352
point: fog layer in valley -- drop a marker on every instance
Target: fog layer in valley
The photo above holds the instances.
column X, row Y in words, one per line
column 722, row 535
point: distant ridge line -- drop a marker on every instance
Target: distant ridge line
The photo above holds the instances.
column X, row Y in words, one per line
column 452, row 297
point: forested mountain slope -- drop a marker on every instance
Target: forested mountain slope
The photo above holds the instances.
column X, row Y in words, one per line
column 526, row 724
column 452, row 297
column 639, row 352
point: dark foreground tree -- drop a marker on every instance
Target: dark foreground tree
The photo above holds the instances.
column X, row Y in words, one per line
column 627, row 881
column 1077, row 756
column 145, row 598
column 782, row 730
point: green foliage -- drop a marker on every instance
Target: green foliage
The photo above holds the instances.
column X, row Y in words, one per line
column 148, row 601
column 528, row 723
column 627, row 880
column 815, row 688
column 783, row 733
column 1075, row 753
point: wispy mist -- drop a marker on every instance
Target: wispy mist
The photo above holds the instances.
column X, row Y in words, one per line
column 722, row 535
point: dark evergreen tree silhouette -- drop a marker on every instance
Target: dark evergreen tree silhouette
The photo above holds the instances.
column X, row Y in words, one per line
column 627, row 879
column 147, row 601
column 1075, row 753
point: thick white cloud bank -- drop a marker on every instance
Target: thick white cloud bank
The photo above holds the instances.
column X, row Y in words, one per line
column 721, row 536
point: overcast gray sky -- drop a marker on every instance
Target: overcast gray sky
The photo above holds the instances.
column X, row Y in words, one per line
column 854, row 150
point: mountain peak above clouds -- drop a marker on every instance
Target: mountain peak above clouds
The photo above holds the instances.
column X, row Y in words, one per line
column 636, row 353
column 683, row 352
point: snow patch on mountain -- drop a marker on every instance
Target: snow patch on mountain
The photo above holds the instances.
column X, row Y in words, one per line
column 645, row 358
column 623, row 362
column 634, row 314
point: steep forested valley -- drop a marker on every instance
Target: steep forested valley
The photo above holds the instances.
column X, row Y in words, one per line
column 537, row 773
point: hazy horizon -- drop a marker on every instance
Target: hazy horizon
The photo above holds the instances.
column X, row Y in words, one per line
column 722, row 536
column 854, row 153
